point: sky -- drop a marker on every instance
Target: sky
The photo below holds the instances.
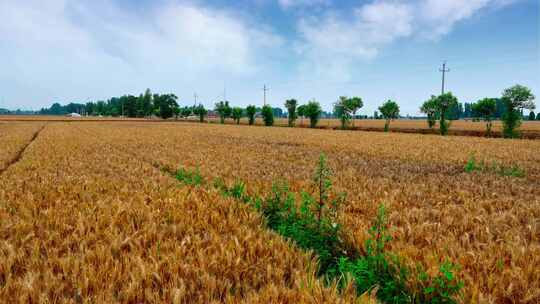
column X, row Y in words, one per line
column 79, row 51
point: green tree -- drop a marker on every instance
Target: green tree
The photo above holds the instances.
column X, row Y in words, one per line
column 485, row 108
column 291, row 104
column 313, row 111
column 354, row 104
column 186, row 112
column 342, row 111
column 165, row 105
column 268, row 115
column 200, row 111
column 389, row 110
column 237, row 114
column 251, row 110
column 224, row 110
column 301, row 110
column 445, row 102
column 515, row 99
column 532, row 116
column 146, row 103
column 538, row 116
column 430, row 109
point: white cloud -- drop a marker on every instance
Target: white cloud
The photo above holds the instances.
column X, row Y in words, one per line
column 441, row 15
column 69, row 48
column 337, row 39
column 332, row 42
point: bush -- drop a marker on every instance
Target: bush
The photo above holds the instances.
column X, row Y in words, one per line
column 290, row 104
column 268, row 115
column 189, row 177
column 379, row 268
column 251, row 110
column 514, row 171
column 389, row 111
column 224, row 110
column 515, row 99
column 237, row 113
column 200, row 111
column 313, row 224
column 313, row 111
column 486, row 108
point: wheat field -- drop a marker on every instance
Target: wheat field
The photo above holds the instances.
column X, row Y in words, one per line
column 87, row 216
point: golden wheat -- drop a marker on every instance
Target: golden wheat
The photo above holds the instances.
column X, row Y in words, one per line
column 13, row 138
column 81, row 221
column 486, row 222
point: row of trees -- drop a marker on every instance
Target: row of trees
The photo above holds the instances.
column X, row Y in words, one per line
column 442, row 108
column 144, row 105
column 345, row 109
column 311, row 110
column 514, row 100
column 509, row 107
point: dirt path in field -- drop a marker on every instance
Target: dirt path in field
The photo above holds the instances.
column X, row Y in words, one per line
column 20, row 153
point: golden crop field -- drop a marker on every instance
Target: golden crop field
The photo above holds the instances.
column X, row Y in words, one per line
column 86, row 213
column 83, row 222
column 529, row 129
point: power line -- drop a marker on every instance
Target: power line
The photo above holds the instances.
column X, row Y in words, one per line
column 444, row 70
column 264, row 90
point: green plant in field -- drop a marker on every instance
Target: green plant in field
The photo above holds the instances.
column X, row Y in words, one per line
column 237, row 113
column 251, row 110
column 389, row 110
column 189, row 177
column 313, row 224
column 200, row 111
column 515, row 99
column 514, row 171
column 441, row 289
column 341, row 110
column 486, row 108
column 380, row 269
column 291, row 104
column 313, row 111
column 377, row 267
column 472, row 165
column 224, row 110
column 430, row 109
column 268, row 115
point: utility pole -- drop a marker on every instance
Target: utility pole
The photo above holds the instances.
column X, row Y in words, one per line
column 264, row 90
column 195, row 95
column 443, row 71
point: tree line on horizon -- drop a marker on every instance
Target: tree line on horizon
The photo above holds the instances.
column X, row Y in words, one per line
column 442, row 109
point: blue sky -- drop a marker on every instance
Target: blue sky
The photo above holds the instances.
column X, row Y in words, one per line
column 75, row 50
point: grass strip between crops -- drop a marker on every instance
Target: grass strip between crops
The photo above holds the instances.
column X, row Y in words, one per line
column 311, row 221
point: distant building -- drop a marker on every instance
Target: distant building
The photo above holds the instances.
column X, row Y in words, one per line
column 73, row 115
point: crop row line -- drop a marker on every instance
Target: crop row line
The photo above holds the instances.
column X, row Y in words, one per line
column 18, row 156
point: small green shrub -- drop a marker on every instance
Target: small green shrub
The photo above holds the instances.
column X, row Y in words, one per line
column 442, row 288
column 312, row 223
column 472, row 165
column 514, row 171
column 379, row 268
column 189, row 177
column 268, row 115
